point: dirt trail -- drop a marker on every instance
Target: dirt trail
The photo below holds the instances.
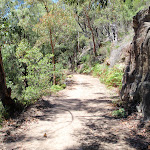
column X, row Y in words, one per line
column 78, row 118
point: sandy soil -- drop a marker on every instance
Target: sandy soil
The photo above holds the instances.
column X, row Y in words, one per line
column 77, row 118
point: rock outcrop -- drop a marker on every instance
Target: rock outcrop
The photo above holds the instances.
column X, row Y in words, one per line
column 117, row 55
column 136, row 81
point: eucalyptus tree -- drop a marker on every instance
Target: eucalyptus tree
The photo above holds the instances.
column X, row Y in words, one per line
column 85, row 11
column 55, row 20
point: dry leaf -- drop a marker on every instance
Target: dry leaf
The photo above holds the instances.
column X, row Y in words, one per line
column 45, row 135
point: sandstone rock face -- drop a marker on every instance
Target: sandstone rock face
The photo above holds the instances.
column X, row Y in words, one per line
column 136, row 81
column 117, row 55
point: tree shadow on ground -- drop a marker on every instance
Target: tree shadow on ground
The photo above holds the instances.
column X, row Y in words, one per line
column 49, row 111
column 99, row 127
column 87, row 85
column 115, row 97
column 29, row 114
column 91, row 146
column 96, row 133
column 87, row 104
column 94, row 123
column 12, row 138
column 137, row 141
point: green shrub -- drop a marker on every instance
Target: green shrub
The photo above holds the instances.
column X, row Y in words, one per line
column 3, row 114
column 114, row 77
column 31, row 94
column 117, row 103
column 119, row 113
column 87, row 70
column 56, row 88
column 63, row 86
column 110, row 76
column 105, row 50
column 39, row 73
column 69, row 76
column 86, row 58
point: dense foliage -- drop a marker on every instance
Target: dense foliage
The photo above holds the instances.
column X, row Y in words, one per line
column 40, row 38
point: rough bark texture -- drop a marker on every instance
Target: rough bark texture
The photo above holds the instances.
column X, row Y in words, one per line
column 136, row 80
column 5, row 94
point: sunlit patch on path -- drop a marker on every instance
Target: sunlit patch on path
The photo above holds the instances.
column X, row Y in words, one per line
column 78, row 118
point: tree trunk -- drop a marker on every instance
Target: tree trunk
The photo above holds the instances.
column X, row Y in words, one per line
column 93, row 38
column 52, row 45
column 53, row 59
column 5, row 94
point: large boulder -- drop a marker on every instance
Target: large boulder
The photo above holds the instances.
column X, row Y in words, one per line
column 136, row 81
